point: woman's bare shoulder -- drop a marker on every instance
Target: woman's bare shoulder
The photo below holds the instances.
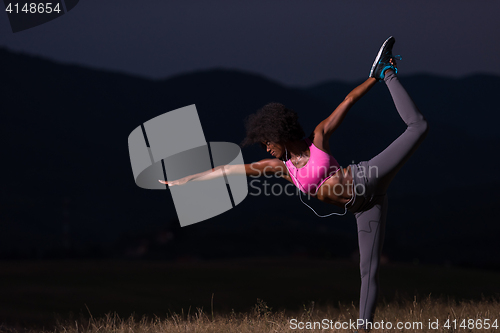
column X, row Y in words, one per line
column 320, row 141
column 267, row 167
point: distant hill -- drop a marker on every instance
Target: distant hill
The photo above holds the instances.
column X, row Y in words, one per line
column 469, row 104
column 64, row 131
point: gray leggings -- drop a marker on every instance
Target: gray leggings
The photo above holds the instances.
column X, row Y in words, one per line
column 371, row 180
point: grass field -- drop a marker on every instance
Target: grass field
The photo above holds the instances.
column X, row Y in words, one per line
column 250, row 295
column 427, row 315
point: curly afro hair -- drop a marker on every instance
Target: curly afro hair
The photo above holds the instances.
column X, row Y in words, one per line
column 273, row 122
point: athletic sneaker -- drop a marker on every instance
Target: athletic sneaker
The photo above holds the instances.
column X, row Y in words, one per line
column 381, row 63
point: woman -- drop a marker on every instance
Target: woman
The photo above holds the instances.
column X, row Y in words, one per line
column 307, row 163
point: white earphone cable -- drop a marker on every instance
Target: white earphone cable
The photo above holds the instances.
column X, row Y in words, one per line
column 300, row 193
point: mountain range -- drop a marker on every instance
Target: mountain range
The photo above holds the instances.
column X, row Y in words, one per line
column 67, row 174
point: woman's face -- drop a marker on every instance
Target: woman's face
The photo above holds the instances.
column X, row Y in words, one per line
column 277, row 150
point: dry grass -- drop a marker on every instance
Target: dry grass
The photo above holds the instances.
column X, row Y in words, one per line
column 264, row 319
column 31, row 293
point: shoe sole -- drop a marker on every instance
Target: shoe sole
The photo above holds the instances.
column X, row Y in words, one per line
column 377, row 58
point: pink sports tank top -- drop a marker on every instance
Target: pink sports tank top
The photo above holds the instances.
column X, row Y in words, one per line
column 317, row 170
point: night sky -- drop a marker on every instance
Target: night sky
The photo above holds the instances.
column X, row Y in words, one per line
column 293, row 42
column 68, row 190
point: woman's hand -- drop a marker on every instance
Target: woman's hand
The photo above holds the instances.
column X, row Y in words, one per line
column 181, row 181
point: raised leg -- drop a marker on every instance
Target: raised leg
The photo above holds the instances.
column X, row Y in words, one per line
column 390, row 160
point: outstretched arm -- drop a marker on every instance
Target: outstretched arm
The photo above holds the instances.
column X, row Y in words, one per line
column 270, row 166
column 206, row 175
column 330, row 124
